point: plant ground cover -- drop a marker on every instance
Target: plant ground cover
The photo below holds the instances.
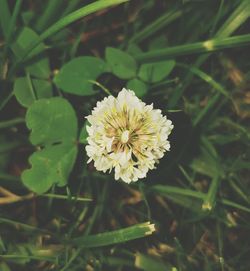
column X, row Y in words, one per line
column 188, row 58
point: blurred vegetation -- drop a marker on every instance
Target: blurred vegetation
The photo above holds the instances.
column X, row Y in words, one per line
column 190, row 59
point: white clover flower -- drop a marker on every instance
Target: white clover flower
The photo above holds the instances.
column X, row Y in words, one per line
column 127, row 135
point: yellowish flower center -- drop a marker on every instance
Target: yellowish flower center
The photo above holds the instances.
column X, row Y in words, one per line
column 125, row 136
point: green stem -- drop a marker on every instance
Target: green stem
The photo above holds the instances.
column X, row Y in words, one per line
column 10, row 123
column 194, row 48
column 8, row 177
column 101, row 86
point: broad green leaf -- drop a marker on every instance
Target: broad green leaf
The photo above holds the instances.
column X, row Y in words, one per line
column 75, row 76
column 155, row 72
column 53, row 126
column 26, row 94
column 139, row 87
column 121, row 63
column 39, row 66
column 51, row 121
column 50, row 166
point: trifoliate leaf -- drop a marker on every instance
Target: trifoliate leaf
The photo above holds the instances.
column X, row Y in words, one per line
column 155, row 72
column 139, row 87
column 26, row 94
column 50, row 166
column 53, row 127
column 75, row 76
column 121, row 63
column 51, row 121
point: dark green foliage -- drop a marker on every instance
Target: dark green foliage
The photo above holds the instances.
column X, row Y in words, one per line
column 188, row 58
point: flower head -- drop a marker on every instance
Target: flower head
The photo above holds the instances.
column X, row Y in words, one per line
column 127, row 135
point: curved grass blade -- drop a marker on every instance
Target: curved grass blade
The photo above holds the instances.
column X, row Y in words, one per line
column 70, row 18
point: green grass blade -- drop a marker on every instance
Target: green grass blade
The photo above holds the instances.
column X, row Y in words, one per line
column 5, row 17
column 239, row 190
column 78, row 14
column 211, row 103
column 48, row 15
column 210, row 199
column 234, row 205
column 148, row 263
column 22, row 226
column 64, row 197
column 166, row 189
column 207, row 78
column 13, row 19
column 10, row 123
column 115, row 237
column 219, row 13
column 194, row 48
column 158, row 24
column 70, row 7
column 237, row 18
